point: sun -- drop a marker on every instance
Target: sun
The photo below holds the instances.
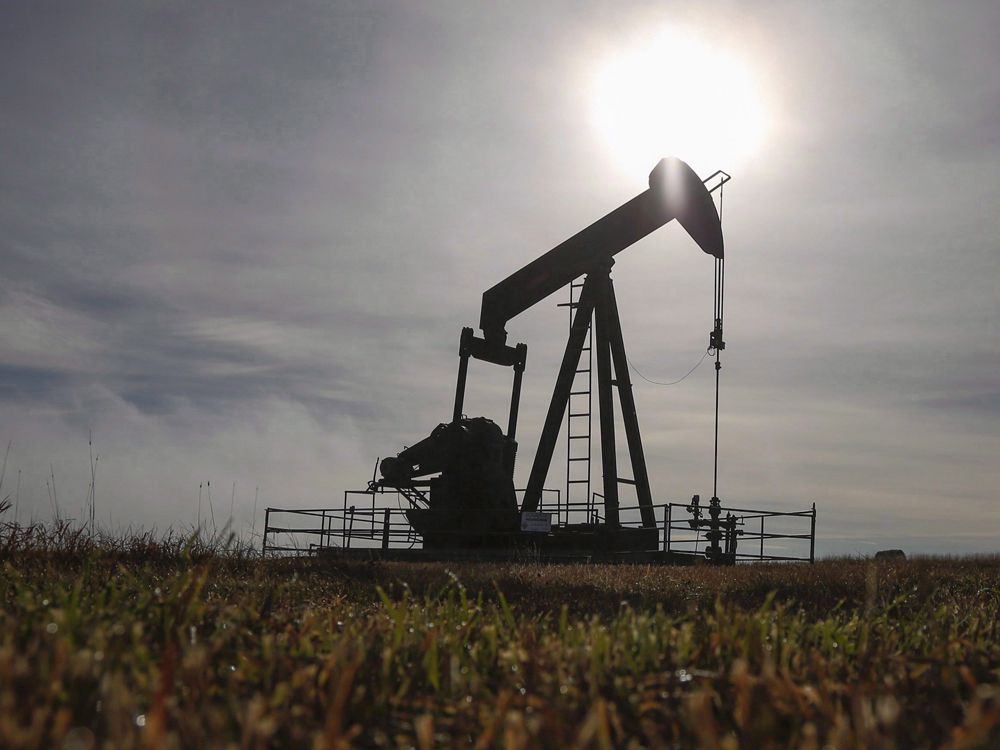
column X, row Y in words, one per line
column 676, row 95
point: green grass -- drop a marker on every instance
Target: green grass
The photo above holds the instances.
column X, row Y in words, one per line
column 145, row 643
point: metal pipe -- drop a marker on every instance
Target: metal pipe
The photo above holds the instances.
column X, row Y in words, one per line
column 515, row 395
column 267, row 524
column 463, row 371
column 343, row 524
column 812, row 536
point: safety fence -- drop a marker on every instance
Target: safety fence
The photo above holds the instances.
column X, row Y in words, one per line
column 378, row 520
column 368, row 519
column 760, row 534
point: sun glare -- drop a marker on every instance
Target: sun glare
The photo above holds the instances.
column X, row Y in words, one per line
column 676, row 95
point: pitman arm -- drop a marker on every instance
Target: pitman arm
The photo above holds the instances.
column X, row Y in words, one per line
column 675, row 192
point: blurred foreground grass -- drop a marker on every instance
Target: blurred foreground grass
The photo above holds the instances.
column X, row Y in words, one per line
column 141, row 642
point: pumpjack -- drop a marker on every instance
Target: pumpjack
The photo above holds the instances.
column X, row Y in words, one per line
column 459, row 481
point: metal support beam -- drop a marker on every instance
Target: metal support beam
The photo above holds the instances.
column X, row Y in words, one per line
column 609, row 458
column 267, row 530
column 629, row 417
column 812, row 536
column 597, row 302
column 463, row 371
column 560, row 398
column 515, row 395
column 675, row 191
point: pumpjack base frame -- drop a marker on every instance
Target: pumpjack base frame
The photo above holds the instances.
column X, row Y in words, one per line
column 356, row 532
column 525, row 554
column 575, row 543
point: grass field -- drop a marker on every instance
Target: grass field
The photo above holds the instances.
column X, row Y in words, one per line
column 142, row 642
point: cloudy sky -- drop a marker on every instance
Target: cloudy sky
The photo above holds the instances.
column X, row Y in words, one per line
column 239, row 241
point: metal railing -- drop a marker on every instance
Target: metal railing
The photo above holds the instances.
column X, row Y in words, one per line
column 366, row 518
column 377, row 520
column 681, row 536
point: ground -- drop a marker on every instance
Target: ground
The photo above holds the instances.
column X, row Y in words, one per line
column 146, row 643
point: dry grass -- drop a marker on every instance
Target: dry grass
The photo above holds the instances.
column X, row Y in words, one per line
column 144, row 643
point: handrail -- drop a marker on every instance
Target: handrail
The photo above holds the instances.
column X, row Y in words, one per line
column 389, row 527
